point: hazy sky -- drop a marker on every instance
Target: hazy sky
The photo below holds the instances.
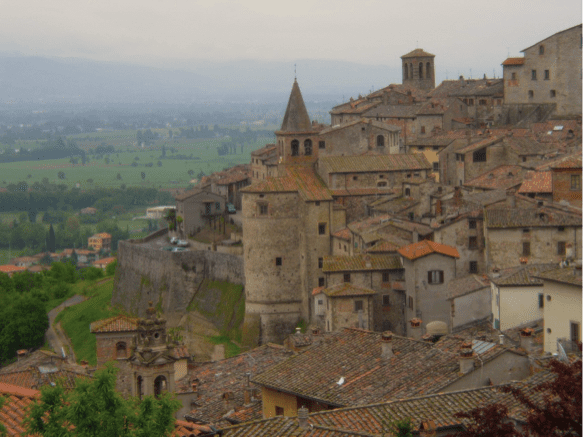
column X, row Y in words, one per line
column 462, row 34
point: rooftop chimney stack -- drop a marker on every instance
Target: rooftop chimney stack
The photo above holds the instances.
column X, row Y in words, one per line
column 298, row 330
column 416, row 328
column 527, row 339
column 303, row 417
column 466, row 357
column 247, row 390
column 387, row 345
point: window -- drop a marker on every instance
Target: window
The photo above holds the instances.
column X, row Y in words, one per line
column 435, row 148
column 575, row 182
column 278, row 261
column 561, row 229
column 358, row 305
column 320, row 302
column 525, row 249
column 541, row 301
column 381, row 184
column 574, row 331
column 346, row 278
column 482, row 102
column 472, row 225
column 541, row 50
column 278, row 411
column 473, row 267
column 320, row 262
column 355, row 178
column 207, row 208
column 322, row 228
column 217, row 206
column 436, row 166
column 411, row 303
column 473, row 243
column 386, row 277
column 295, row 148
column 308, row 147
column 380, row 141
column 530, row 94
column 428, row 71
column 526, row 230
column 386, row 300
column 321, row 281
column 471, row 102
column 406, row 71
column 513, row 77
column 317, row 203
column 533, row 75
column 407, row 191
column 480, row 156
column 121, row 350
column 420, row 148
column 321, row 145
column 262, row 209
column 420, row 70
column 561, row 248
column 435, row 277
column 423, row 130
column 553, row 93
column 547, row 75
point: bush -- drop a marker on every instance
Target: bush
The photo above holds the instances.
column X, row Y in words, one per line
column 59, row 290
column 91, row 273
column 110, row 268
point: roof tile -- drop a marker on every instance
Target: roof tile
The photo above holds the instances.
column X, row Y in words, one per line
column 425, row 247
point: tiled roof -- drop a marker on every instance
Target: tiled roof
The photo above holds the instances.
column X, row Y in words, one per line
column 268, row 150
column 569, row 275
column 383, row 246
column 245, row 413
column 528, row 146
column 354, row 109
column 11, row 268
column 102, row 235
column 347, row 290
column 469, row 87
column 537, row 182
column 521, row 275
column 343, row 234
column 425, row 247
column 480, row 144
column 187, row 428
column 36, row 377
column 394, row 111
column 318, row 290
column 437, row 106
column 181, row 352
column 464, row 285
column 361, row 262
column 501, row 177
column 213, row 379
column 14, row 409
column 568, row 163
column 416, row 368
column 234, row 177
column 533, row 217
column 120, row 323
column 378, row 163
column 69, row 251
column 279, row 184
column 379, row 125
column 105, row 261
column 417, row 53
column 360, row 191
column 430, row 141
column 513, row 61
column 309, row 184
column 296, row 118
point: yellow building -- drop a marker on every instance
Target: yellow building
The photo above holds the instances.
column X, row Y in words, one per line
column 100, row 241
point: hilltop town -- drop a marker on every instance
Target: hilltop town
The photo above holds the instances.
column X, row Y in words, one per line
column 402, row 263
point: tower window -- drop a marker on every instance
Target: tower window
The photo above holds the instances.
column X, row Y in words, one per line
column 533, row 75
column 547, row 75
column 561, row 248
column 320, row 262
column 525, row 249
column 295, row 148
column 473, row 267
column 308, row 147
column 513, row 76
column 406, row 72
column 575, row 182
column 480, row 156
column 420, row 70
column 428, row 70
column 262, row 209
column 322, row 228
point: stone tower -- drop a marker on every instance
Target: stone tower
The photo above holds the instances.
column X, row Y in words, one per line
column 419, row 69
column 296, row 137
column 152, row 360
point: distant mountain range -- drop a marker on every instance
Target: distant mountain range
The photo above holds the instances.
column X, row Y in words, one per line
column 81, row 81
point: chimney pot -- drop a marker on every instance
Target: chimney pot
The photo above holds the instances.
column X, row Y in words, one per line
column 527, row 339
column 466, row 357
column 303, row 417
column 415, row 328
column 387, row 345
column 298, row 330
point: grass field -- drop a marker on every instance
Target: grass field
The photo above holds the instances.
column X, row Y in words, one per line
column 98, row 173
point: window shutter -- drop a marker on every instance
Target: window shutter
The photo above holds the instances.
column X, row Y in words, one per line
column 441, row 276
column 429, row 277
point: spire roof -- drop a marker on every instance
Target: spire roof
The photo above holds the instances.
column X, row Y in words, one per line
column 417, row 53
column 296, row 117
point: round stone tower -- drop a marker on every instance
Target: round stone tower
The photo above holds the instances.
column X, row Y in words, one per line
column 419, row 69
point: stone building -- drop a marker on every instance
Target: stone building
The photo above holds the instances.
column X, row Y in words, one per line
column 436, row 115
column 566, row 180
column 469, row 297
column 547, row 78
column 358, row 137
column 419, row 69
column 197, row 208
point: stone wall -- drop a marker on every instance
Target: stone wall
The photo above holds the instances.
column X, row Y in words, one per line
column 168, row 279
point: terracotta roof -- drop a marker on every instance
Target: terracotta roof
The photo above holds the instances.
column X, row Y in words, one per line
column 105, row 261
column 187, row 428
column 361, row 262
column 360, row 191
column 416, row 368
column 521, row 275
column 353, row 109
column 102, row 235
column 480, row 144
column 425, row 247
column 271, row 184
column 461, row 286
column 181, row 352
column 11, row 268
column 513, row 61
column 568, row 163
column 417, row 53
column 78, row 251
column 296, row 118
column 501, row 177
column 376, row 163
column 469, row 88
column 317, row 290
column 347, row 290
column 437, row 106
column 379, row 125
column 394, row 111
column 343, row 234
column 266, row 150
column 383, row 246
column 537, row 182
column 232, row 178
column 13, row 411
column 120, row 323
column 309, row 184
column 569, row 275
column 532, row 217
column 36, row 377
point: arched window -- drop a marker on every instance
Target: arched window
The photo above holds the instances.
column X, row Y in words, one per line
column 406, row 72
column 308, row 147
column 407, row 191
column 428, row 70
column 380, row 141
column 121, row 351
column 160, row 385
column 139, row 386
column 420, row 70
column 295, row 148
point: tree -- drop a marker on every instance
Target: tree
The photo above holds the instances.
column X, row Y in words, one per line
column 61, row 174
column 94, row 408
column 143, row 175
column 118, row 176
column 559, row 413
column 51, row 240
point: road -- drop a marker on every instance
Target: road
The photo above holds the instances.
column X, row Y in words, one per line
column 54, row 335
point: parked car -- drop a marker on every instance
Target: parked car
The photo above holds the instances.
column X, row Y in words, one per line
column 178, row 249
column 231, row 208
column 173, row 240
column 182, row 243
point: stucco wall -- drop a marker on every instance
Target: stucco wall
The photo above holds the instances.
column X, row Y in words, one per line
column 469, row 308
column 563, row 308
column 518, row 305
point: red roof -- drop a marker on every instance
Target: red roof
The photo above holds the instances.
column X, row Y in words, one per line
column 120, row 323
column 11, row 268
column 13, row 410
column 513, row 61
column 537, row 182
column 426, row 247
column 105, row 261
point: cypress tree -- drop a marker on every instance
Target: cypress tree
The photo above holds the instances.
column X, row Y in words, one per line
column 51, row 247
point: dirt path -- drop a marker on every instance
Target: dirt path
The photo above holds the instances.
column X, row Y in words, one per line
column 55, row 335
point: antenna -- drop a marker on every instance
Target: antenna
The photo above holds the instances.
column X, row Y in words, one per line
column 295, row 73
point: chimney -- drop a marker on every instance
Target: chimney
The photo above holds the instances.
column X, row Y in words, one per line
column 462, row 81
column 466, row 357
column 228, row 400
column 21, row 354
column 387, row 345
column 527, row 339
column 511, row 198
column 315, row 330
column 416, row 328
column 298, row 331
column 367, row 261
column 303, row 417
column 247, row 390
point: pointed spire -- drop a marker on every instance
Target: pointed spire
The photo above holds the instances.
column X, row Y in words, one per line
column 296, row 117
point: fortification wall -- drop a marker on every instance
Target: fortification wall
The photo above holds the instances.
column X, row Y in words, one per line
column 169, row 279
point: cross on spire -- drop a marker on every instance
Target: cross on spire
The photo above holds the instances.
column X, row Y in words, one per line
column 295, row 73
